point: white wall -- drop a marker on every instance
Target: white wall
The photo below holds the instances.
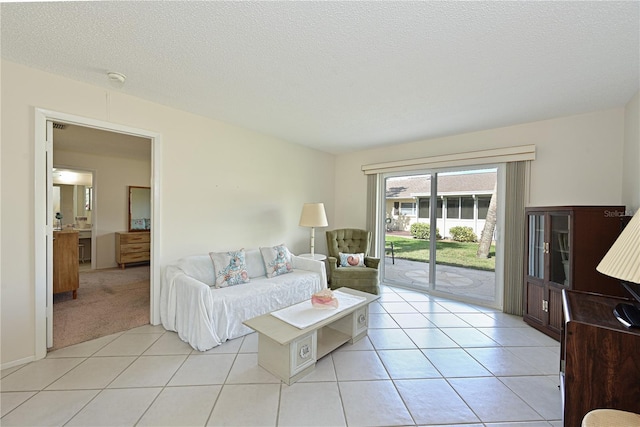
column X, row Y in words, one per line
column 631, row 167
column 222, row 187
column 225, row 187
column 113, row 176
column 578, row 161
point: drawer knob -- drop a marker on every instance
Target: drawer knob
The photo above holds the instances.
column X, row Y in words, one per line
column 362, row 318
column 305, row 351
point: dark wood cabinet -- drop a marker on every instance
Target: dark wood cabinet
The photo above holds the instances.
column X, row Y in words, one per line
column 563, row 246
column 599, row 358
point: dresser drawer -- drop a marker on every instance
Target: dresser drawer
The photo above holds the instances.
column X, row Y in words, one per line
column 134, row 257
column 134, row 247
column 127, row 238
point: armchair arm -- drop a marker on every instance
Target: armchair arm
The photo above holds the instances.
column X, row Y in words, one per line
column 371, row 262
column 333, row 263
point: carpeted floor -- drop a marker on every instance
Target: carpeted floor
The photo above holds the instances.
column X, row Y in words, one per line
column 109, row 301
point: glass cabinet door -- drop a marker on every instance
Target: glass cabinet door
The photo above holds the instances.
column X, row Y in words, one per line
column 559, row 249
column 536, row 245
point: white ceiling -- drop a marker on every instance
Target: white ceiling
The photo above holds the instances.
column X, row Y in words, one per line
column 99, row 142
column 343, row 76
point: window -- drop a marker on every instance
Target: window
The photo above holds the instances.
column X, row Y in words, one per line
column 439, row 209
column 483, row 206
column 466, row 211
column 453, row 207
column 423, row 207
column 408, row 208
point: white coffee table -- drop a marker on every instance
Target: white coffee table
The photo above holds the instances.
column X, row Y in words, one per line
column 290, row 353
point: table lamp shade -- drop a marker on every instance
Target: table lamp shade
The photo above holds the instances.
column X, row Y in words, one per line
column 313, row 215
column 622, row 261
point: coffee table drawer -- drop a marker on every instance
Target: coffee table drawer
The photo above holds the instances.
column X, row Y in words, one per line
column 303, row 353
column 361, row 321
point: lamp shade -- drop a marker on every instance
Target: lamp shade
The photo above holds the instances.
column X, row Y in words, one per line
column 313, row 215
column 623, row 259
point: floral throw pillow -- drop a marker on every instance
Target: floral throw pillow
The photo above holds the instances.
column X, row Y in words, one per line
column 277, row 260
column 351, row 260
column 230, row 268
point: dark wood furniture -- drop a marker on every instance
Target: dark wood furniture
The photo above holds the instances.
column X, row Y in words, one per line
column 599, row 358
column 66, row 275
column 563, row 246
column 133, row 247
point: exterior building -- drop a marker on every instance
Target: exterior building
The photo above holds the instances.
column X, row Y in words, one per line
column 462, row 200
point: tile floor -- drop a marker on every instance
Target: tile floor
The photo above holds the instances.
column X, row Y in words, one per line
column 426, row 361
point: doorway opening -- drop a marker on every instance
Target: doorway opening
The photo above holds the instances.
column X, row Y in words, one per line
column 107, row 299
column 434, row 224
column 44, row 217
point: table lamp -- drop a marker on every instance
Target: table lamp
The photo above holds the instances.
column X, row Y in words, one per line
column 622, row 262
column 313, row 215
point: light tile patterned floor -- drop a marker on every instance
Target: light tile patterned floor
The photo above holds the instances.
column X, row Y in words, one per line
column 426, row 361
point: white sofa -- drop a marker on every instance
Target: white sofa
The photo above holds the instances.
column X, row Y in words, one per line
column 205, row 316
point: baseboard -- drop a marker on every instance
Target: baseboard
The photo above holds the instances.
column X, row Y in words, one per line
column 17, row 362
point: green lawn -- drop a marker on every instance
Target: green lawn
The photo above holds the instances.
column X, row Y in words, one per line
column 448, row 252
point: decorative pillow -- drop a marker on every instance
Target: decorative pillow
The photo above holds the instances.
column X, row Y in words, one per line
column 351, row 260
column 137, row 224
column 277, row 260
column 230, row 268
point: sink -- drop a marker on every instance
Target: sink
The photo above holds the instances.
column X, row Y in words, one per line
column 83, row 233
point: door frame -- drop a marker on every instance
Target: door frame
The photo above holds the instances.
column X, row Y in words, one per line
column 43, row 218
column 499, row 270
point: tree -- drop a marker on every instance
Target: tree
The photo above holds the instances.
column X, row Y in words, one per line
column 489, row 226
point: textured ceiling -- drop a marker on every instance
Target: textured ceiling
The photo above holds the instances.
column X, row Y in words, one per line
column 343, row 76
column 99, row 142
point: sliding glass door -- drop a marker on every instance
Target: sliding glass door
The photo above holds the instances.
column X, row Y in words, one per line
column 439, row 232
column 406, row 230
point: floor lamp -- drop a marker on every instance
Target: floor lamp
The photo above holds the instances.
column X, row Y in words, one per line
column 313, row 216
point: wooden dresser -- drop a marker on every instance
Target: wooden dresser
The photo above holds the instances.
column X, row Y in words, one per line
column 599, row 358
column 133, row 247
column 66, row 276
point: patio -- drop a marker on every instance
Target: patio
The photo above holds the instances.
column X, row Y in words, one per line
column 461, row 281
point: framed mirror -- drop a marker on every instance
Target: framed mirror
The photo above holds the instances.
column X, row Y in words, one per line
column 139, row 208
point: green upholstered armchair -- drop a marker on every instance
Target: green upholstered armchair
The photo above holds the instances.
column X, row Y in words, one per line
column 351, row 240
